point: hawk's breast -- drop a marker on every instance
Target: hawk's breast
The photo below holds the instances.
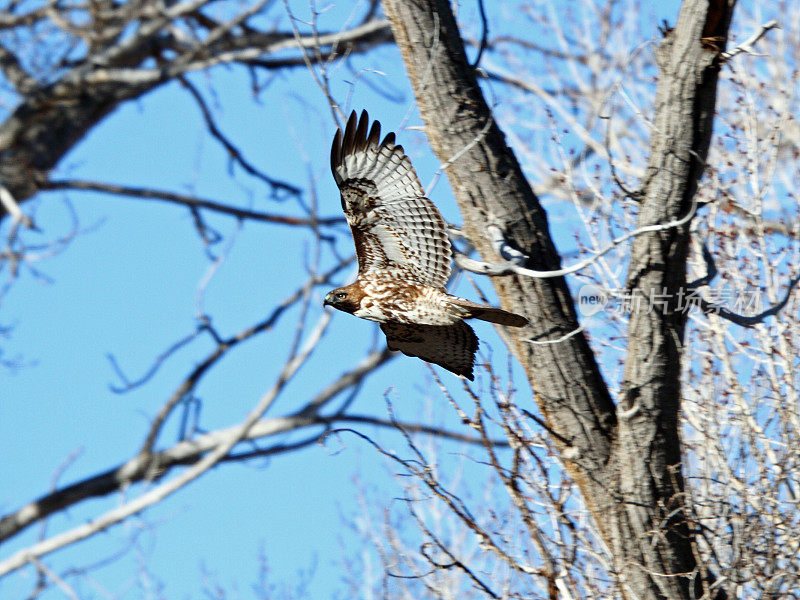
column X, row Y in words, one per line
column 387, row 298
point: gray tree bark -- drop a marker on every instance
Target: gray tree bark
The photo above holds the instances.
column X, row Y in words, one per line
column 628, row 467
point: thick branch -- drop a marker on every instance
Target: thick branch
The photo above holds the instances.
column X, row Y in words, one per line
column 52, row 118
column 190, row 452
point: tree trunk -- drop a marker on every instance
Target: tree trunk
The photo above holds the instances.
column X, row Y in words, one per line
column 688, row 60
column 628, row 470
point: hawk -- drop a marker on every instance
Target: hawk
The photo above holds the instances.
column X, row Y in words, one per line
column 403, row 254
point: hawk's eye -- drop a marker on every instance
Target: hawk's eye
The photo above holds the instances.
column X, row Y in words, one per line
column 340, row 295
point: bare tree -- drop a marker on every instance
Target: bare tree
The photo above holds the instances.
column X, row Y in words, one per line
column 626, row 456
column 662, row 461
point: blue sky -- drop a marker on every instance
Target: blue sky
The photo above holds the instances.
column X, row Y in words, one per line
column 127, row 286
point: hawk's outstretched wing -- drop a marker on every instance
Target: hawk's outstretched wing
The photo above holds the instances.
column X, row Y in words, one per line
column 452, row 347
column 395, row 227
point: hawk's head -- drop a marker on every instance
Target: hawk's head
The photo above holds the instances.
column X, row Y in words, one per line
column 343, row 298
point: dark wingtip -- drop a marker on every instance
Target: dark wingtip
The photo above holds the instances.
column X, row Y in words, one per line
column 388, row 140
column 336, row 152
column 374, row 134
column 358, row 135
column 349, row 134
column 360, row 142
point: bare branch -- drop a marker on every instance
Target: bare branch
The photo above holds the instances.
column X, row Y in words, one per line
column 191, row 202
column 12, row 208
column 62, row 585
column 224, row 443
column 46, row 124
column 226, row 345
column 747, row 321
column 747, row 45
column 13, row 71
column 515, row 268
column 192, row 451
column 234, row 153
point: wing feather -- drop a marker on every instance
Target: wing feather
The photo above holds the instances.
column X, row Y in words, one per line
column 452, row 347
column 395, row 227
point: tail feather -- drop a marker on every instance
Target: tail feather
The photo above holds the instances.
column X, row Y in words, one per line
column 491, row 314
column 499, row 316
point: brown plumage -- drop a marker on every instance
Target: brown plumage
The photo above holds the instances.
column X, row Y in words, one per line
column 403, row 253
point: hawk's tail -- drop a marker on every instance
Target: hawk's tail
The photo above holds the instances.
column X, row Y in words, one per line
column 499, row 316
column 491, row 314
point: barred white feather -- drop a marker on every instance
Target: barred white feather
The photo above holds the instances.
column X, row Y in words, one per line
column 394, row 225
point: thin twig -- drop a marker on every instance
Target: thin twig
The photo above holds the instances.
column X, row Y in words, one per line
column 235, row 154
column 484, row 34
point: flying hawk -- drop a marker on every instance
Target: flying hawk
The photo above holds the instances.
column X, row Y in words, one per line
column 403, row 254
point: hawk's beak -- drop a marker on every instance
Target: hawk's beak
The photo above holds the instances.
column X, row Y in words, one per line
column 327, row 301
